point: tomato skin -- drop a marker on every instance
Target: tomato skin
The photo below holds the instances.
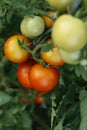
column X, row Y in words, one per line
column 53, row 57
column 43, row 79
column 39, row 100
column 69, row 33
column 13, row 51
column 23, row 72
column 70, row 57
column 48, row 21
column 62, row 5
column 32, row 27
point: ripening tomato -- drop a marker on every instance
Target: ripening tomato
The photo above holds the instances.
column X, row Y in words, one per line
column 69, row 33
column 43, row 79
column 23, row 72
column 52, row 57
column 39, row 100
column 62, row 5
column 13, row 51
column 48, row 21
column 70, row 57
column 32, row 26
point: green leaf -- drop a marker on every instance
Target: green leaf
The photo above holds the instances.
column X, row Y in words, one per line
column 26, row 121
column 4, row 98
column 75, row 6
column 10, row 120
column 83, row 103
column 83, row 110
column 60, row 124
column 47, row 48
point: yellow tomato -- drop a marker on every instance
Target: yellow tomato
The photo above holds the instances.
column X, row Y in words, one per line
column 60, row 4
column 69, row 33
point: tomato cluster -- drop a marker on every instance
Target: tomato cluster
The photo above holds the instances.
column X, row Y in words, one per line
column 68, row 38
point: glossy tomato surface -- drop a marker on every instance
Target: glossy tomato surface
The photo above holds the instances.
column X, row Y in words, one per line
column 53, row 57
column 44, row 79
column 70, row 57
column 13, row 51
column 32, row 26
column 69, row 33
column 23, row 73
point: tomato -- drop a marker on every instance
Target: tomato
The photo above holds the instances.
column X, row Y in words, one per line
column 43, row 79
column 39, row 100
column 13, row 51
column 83, row 62
column 60, row 4
column 69, row 33
column 53, row 57
column 70, row 57
column 48, row 21
column 32, row 26
column 23, row 72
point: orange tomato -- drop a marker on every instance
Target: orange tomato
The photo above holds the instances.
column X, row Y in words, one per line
column 48, row 21
column 53, row 56
column 13, row 51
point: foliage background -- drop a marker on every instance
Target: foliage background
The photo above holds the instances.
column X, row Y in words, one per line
column 64, row 107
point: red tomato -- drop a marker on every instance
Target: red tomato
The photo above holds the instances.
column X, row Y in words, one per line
column 23, row 74
column 43, row 79
column 13, row 51
column 39, row 100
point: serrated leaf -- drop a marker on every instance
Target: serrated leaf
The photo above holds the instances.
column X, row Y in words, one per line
column 4, row 98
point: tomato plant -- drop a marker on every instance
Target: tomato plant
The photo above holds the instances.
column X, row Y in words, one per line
column 69, row 33
column 32, row 26
column 44, row 79
column 23, row 72
column 60, row 4
column 13, row 51
column 61, row 91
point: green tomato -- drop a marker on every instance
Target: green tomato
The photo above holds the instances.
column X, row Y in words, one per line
column 62, row 5
column 70, row 57
column 83, row 62
column 69, row 33
column 32, row 26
